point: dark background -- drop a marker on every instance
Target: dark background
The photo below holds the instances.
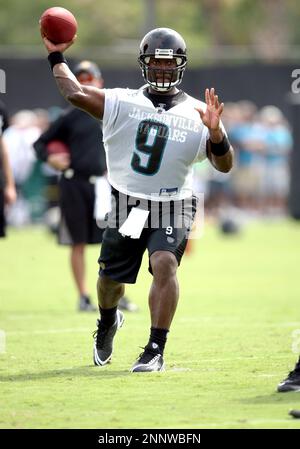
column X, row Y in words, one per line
column 29, row 83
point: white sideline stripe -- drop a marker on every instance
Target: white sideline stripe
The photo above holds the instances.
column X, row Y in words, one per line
column 228, row 359
column 226, row 322
column 120, row 323
column 21, row 317
column 217, row 321
column 246, row 422
column 267, row 375
column 243, row 423
column 49, row 331
column 60, row 331
column 201, row 319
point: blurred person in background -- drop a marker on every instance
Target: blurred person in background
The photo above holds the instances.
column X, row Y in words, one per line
column 73, row 146
column 42, row 119
column 278, row 144
column 248, row 140
column 219, row 201
column 23, row 130
column 218, row 195
column 50, row 192
column 8, row 193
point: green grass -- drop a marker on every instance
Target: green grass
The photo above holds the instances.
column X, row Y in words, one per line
column 229, row 346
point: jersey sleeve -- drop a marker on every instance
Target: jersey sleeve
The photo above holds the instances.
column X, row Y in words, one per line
column 111, row 110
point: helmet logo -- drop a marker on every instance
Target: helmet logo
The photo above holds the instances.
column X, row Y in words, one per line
column 164, row 53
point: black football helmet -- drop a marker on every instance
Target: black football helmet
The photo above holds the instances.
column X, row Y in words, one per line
column 163, row 43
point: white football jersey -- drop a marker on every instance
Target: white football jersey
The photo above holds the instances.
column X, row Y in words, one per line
column 149, row 150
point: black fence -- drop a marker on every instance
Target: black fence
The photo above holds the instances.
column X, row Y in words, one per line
column 30, row 84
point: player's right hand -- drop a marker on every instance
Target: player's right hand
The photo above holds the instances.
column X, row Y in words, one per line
column 51, row 47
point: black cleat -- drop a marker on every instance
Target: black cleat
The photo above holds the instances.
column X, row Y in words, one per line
column 126, row 305
column 104, row 337
column 150, row 360
column 85, row 305
column 292, row 382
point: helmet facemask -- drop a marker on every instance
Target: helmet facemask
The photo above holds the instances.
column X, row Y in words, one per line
column 163, row 79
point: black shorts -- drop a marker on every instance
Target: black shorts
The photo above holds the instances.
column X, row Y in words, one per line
column 165, row 230
column 77, row 224
column 2, row 216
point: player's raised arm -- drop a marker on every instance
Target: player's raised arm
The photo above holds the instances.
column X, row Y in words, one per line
column 88, row 98
column 219, row 151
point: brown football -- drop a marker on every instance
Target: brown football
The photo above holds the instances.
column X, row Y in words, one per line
column 58, row 25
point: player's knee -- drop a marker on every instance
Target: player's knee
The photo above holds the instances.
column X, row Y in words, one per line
column 107, row 284
column 164, row 264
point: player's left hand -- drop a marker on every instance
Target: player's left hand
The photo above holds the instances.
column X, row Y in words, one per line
column 211, row 116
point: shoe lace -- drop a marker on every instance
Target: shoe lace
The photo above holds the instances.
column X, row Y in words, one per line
column 99, row 334
column 147, row 355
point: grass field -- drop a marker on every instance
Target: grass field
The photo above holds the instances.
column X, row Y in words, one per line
column 229, row 346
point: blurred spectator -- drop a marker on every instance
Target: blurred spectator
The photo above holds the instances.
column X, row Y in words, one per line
column 247, row 136
column 219, row 191
column 7, row 185
column 19, row 137
column 42, row 119
column 259, row 182
column 278, row 143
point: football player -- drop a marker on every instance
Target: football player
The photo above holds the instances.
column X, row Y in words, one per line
column 152, row 136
